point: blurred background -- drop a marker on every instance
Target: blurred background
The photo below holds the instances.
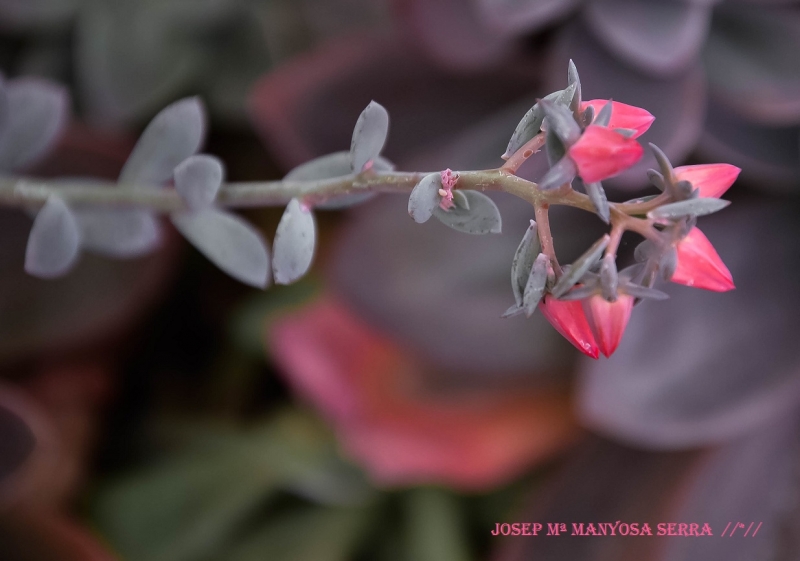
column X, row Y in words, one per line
column 157, row 410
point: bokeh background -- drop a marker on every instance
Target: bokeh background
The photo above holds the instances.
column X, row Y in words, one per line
column 156, row 410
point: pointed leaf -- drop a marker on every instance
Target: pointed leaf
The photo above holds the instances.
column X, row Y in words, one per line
column 531, row 123
column 294, row 243
column 425, row 198
column 198, row 179
column 609, row 278
column 554, row 147
column 656, row 179
column 580, row 267
column 534, row 289
column 663, row 162
column 563, row 172
column 643, row 292
column 118, row 233
column 483, row 217
column 172, row 136
column 369, row 135
column 524, row 257
column 53, row 242
column 598, row 197
column 574, row 79
column 561, row 121
column 694, row 207
column 514, row 310
column 604, row 115
column 36, row 114
column 229, row 242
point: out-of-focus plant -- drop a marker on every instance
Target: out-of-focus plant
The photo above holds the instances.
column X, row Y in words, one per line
column 721, row 73
column 127, row 60
column 589, row 301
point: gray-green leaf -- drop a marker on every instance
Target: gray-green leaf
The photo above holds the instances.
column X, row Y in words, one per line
column 172, row 136
column 54, row 240
column 531, row 123
column 425, row 198
column 294, row 243
column 229, row 242
column 483, row 217
column 694, row 207
column 122, row 233
column 534, row 289
column 369, row 135
column 580, row 267
column 524, row 257
column 198, row 179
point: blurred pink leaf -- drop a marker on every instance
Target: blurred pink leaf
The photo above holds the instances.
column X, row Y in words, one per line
column 403, row 434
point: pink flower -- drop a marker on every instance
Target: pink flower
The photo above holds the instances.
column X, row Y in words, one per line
column 601, row 153
column 700, row 266
column 372, row 393
column 623, row 116
column 712, row 179
column 608, row 320
column 449, row 180
column 570, row 321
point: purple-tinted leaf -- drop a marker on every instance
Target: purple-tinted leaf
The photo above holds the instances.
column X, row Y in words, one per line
column 678, row 103
column 768, row 156
column 369, row 136
column 229, row 242
column 658, row 37
column 172, row 136
column 118, row 233
column 452, row 32
column 295, row 240
column 425, row 198
column 435, row 281
column 36, row 115
column 427, row 123
column 198, row 179
column 751, row 64
column 752, row 480
column 54, row 241
column 516, row 17
column 709, row 366
column 482, row 216
column 562, row 172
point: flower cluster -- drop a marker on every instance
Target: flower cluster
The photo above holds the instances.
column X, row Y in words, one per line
column 590, row 302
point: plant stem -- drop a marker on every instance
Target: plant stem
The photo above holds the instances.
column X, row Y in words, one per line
column 542, row 213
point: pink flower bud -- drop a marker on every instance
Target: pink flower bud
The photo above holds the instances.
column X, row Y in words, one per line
column 609, row 320
column 700, row 266
column 712, row 179
column 601, row 153
column 623, row 116
column 569, row 319
column 449, row 180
